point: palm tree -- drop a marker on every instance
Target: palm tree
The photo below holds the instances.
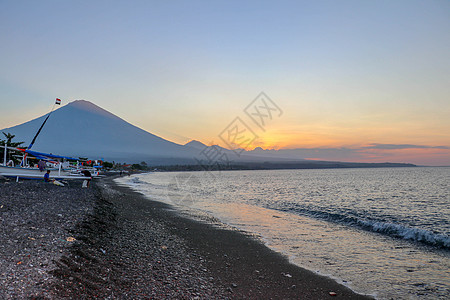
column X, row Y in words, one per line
column 9, row 137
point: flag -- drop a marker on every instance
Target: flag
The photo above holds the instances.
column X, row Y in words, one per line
column 58, row 101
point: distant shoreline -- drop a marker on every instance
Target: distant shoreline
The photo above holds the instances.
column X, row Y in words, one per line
column 278, row 166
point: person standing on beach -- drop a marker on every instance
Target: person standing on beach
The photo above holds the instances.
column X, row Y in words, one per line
column 86, row 173
column 41, row 165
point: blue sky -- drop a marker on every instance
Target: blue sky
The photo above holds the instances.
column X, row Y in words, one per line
column 345, row 73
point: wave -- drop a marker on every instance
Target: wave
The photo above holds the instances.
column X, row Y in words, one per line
column 408, row 233
column 391, row 229
column 135, row 181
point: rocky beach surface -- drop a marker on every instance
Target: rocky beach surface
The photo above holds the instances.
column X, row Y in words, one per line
column 110, row 242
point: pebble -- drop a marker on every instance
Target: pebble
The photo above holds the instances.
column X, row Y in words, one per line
column 32, row 203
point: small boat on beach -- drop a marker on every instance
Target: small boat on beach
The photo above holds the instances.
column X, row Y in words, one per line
column 58, row 165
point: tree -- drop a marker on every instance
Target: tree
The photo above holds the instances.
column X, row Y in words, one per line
column 136, row 167
column 107, row 165
column 9, row 137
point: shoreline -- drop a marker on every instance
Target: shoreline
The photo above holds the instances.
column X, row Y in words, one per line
column 130, row 247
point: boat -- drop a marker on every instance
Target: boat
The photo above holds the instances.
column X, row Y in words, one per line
column 60, row 169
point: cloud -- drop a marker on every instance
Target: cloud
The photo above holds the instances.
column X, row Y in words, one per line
column 402, row 146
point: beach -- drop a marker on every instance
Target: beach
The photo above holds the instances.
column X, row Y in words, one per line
column 108, row 241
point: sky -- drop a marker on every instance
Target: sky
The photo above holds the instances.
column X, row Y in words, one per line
column 351, row 80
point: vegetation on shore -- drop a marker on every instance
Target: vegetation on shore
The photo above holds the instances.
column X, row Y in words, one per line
column 9, row 142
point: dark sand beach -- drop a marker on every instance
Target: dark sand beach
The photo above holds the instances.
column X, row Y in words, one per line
column 110, row 242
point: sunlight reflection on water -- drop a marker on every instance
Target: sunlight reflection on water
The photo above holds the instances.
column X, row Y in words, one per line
column 309, row 215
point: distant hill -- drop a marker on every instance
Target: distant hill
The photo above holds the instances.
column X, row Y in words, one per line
column 196, row 145
column 82, row 129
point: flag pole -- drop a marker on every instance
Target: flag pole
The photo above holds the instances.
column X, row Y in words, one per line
column 58, row 101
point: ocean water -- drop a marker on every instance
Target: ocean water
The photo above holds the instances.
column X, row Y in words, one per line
column 383, row 232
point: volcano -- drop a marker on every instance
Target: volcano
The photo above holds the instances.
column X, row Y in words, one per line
column 84, row 129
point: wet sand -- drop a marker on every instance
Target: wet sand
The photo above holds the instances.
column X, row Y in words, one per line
column 125, row 246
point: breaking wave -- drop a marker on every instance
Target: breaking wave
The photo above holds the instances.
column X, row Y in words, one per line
column 391, row 229
column 135, row 181
column 407, row 233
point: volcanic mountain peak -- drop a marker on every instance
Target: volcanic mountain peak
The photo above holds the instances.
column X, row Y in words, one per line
column 90, row 107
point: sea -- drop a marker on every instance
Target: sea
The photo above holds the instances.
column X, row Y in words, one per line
column 383, row 232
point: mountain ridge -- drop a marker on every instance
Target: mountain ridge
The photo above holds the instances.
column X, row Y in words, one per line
column 83, row 129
